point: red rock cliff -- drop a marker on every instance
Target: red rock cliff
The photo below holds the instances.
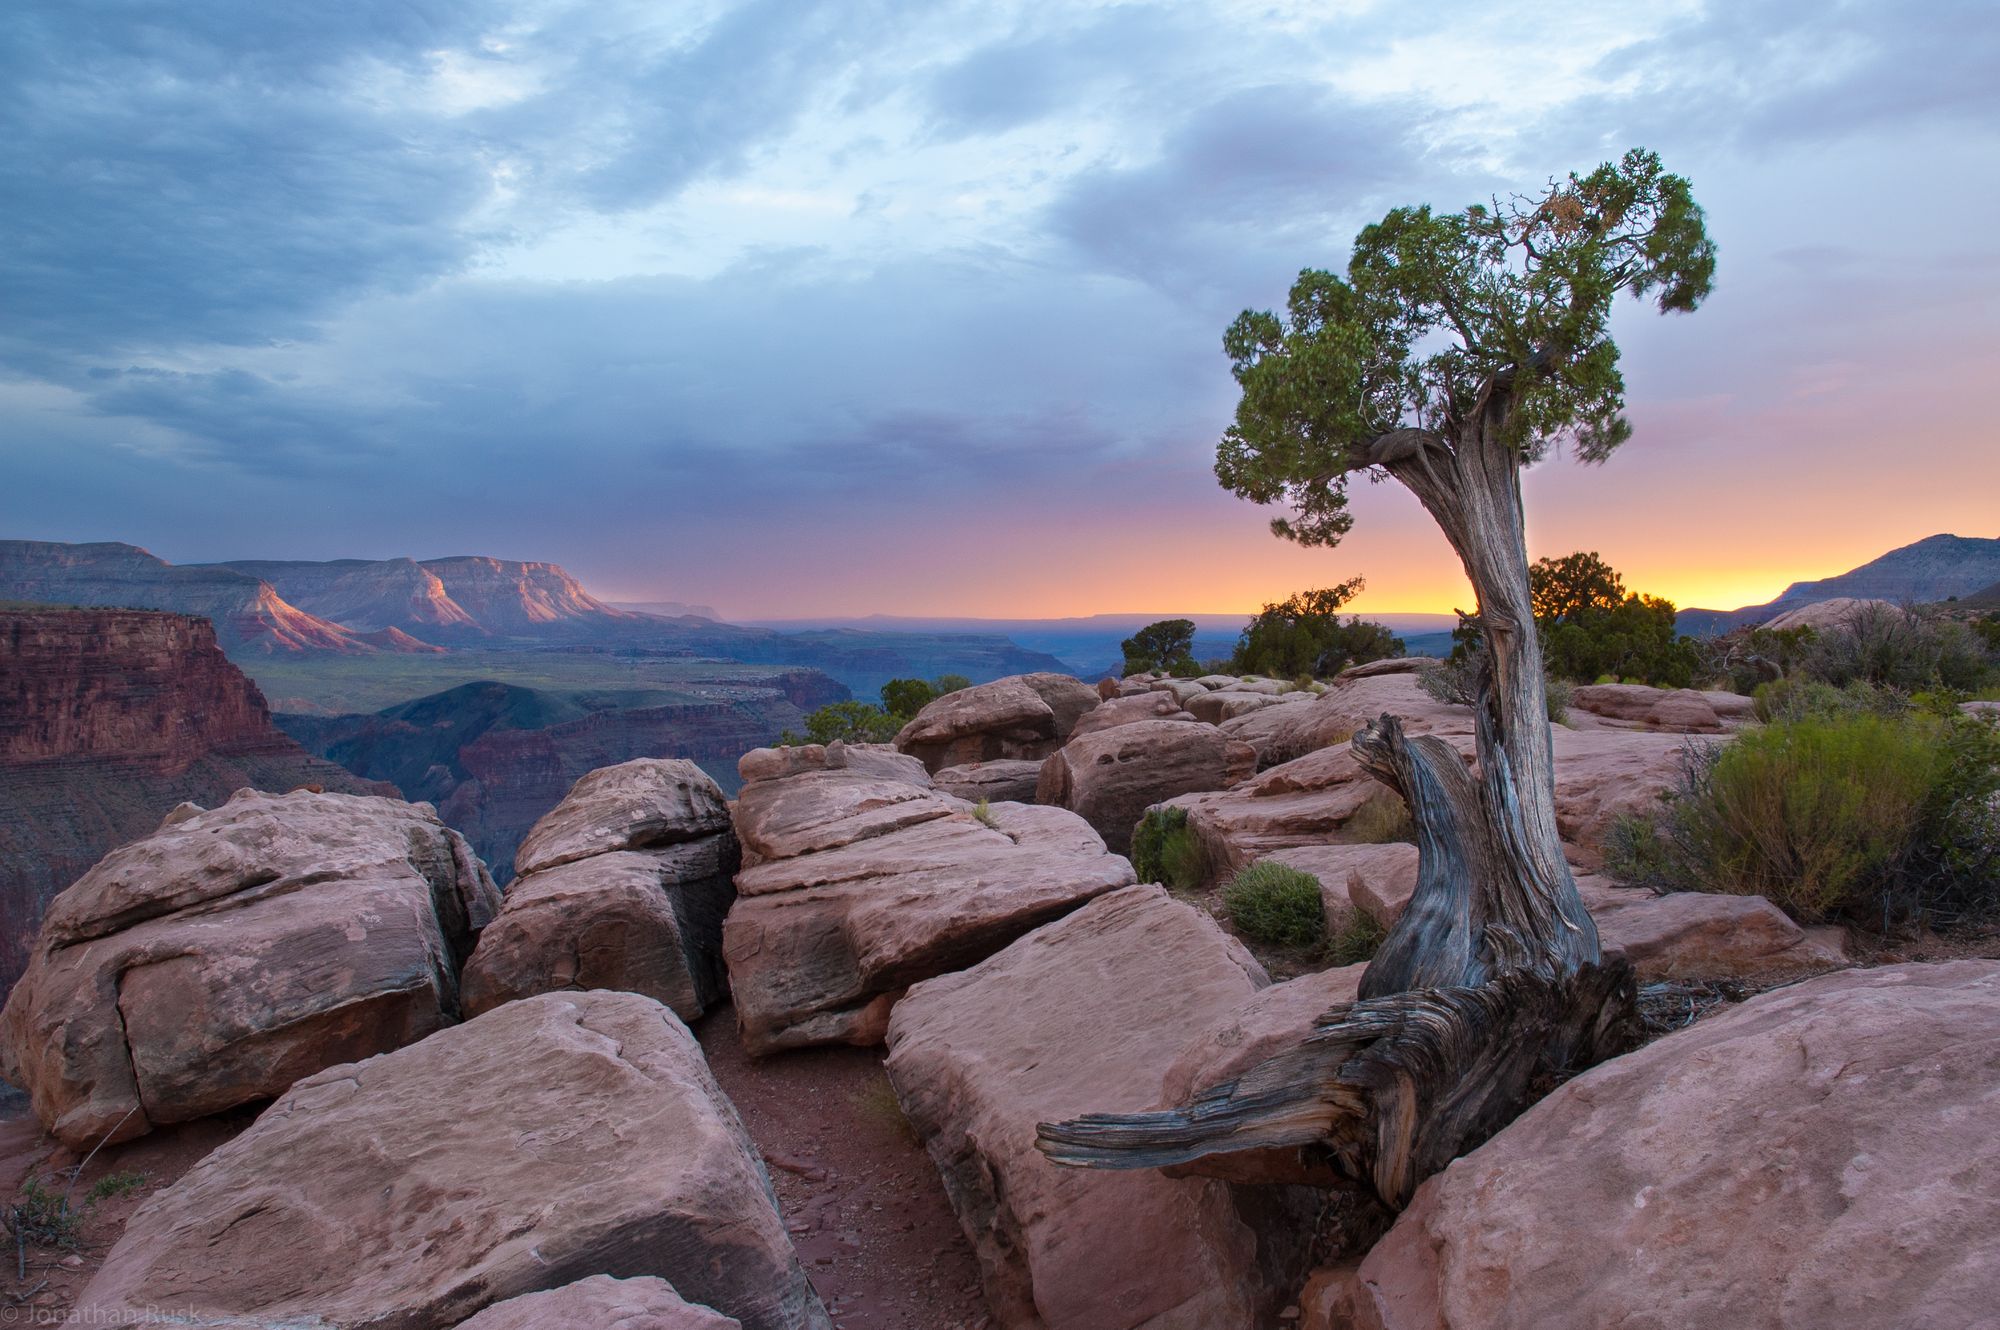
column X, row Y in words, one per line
column 108, row 719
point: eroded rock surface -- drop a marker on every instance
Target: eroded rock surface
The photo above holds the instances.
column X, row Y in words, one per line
column 856, row 886
column 1000, row 781
column 234, row 951
column 1825, row 1154
column 547, row 1141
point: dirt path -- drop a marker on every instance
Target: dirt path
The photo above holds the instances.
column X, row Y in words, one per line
column 862, row 1199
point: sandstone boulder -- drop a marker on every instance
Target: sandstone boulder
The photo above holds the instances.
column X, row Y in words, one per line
column 549, row 1140
column 602, row 1303
column 638, row 921
column 1021, row 716
column 1834, row 613
column 1125, row 710
column 1183, row 690
column 1390, row 665
column 1826, row 1154
column 1081, row 1015
column 1110, row 778
column 232, row 952
column 1673, row 710
column 1699, row 935
column 855, row 887
column 1355, row 699
column 1266, row 1023
column 636, row 805
column 1001, row 781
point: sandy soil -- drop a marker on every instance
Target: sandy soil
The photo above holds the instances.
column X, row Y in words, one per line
column 861, row 1198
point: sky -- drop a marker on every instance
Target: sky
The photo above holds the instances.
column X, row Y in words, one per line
column 798, row 308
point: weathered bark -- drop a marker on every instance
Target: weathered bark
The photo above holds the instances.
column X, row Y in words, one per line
column 1490, row 985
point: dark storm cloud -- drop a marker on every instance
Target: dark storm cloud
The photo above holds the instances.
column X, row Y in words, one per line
column 225, row 173
column 1244, row 188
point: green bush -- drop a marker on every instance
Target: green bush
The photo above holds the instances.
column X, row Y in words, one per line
column 1304, row 637
column 1165, row 850
column 983, row 811
column 1592, row 627
column 1277, row 906
column 1849, row 813
column 846, row 722
column 41, row 1217
column 1355, row 941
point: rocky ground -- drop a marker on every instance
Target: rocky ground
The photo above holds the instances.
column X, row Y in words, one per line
column 417, row 1103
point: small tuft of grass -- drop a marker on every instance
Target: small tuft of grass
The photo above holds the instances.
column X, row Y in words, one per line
column 876, row 1102
column 115, row 1184
column 983, row 810
column 1358, row 940
column 1276, row 906
column 1384, row 820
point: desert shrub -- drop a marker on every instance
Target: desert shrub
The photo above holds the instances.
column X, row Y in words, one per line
column 904, row 698
column 41, row 1217
column 1355, row 941
column 1803, row 698
column 1592, row 627
column 1383, row 820
column 1856, row 814
column 846, row 722
column 1165, row 850
column 1184, row 668
column 1893, row 648
column 983, row 810
column 1275, row 905
column 946, row 684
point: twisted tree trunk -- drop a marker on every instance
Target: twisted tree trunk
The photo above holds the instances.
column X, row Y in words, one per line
column 1491, row 985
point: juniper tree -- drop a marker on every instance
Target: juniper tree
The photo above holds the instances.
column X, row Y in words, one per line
column 1460, row 349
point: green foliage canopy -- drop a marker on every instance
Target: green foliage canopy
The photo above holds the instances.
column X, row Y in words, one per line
column 1491, row 318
